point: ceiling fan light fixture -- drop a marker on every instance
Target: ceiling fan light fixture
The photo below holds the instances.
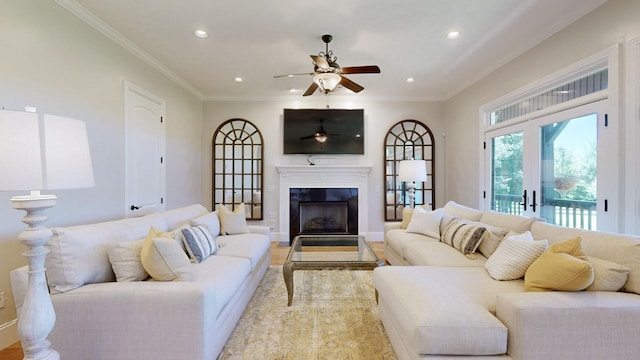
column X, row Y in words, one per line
column 201, row 34
column 321, row 137
column 327, row 81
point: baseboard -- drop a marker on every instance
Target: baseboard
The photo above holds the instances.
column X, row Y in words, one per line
column 8, row 333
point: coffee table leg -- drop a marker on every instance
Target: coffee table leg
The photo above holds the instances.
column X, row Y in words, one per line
column 287, row 272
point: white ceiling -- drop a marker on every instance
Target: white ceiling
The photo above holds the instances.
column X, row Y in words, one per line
column 256, row 40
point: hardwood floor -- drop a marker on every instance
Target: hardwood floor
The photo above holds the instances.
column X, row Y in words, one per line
column 278, row 256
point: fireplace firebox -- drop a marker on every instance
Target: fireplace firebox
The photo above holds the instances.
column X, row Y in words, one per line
column 323, row 211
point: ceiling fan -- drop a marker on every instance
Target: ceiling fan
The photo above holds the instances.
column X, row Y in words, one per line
column 320, row 135
column 327, row 74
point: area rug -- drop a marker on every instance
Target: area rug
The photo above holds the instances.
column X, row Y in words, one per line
column 333, row 316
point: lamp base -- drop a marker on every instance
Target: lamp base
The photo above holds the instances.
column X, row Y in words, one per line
column 37, row 317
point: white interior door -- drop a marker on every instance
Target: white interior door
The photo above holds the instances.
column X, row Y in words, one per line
column 144, row 151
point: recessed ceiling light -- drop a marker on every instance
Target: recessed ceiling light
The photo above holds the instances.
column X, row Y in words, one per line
column 292, row 90
column 453, row 35
column 410, row 80
column 201, row 34
column 238, row 79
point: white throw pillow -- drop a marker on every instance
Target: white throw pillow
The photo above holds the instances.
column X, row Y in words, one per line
column 425, row 222
column 163, row 258
column 212, row 220
column 200, row 242
column 232, row 222
column 125, row 260
column 514, row 255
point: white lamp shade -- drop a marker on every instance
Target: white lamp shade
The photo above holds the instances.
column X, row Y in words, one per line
column 20, row 151
column 63, row 145
column 412, row 170
column 68, row 158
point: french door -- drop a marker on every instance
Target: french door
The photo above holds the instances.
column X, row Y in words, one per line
column 561, row 167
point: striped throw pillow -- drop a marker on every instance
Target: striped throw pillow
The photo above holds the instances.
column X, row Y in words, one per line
column 463, row 237
column 514, row 255
column 199, row 241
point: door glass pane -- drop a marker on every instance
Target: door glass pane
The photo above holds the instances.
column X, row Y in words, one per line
column 506, row 182
column 568, row 172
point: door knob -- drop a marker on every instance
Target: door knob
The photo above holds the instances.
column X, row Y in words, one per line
column 133, row 207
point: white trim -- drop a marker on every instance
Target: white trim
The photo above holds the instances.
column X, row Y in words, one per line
column 631, row 130
column 9, row 333
column 87, row 16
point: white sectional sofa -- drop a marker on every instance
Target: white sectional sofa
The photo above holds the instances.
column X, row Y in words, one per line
column 438, row 303
column 188, row 318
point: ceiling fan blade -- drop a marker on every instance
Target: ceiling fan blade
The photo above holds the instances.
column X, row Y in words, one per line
column 291, row 75
column 320, row 61
column 350, row 85
column 368, row 69
column 311, row 89
column 308, row 137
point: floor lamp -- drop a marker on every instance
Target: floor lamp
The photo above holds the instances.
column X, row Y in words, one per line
column 411, row 171
column 40, row 153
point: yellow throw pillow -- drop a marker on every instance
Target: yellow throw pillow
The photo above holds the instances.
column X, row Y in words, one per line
column 563, row 267
column 232, row 222
column 406, row 217
column 163, row 259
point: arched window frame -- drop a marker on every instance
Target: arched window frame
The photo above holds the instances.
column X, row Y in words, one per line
column 405, row 140
column 237, row 157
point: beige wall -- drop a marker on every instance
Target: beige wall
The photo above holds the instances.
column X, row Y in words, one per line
column 606, row 26
column 52, row 60
column 379, row 117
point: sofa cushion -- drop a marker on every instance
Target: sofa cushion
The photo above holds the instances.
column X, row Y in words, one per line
column 464, row 237
column 562, row 267
column 124, row 257
column 163, row 259
column 513, row 257
column 248, row 246
column 199, row 241
column 508, row 222
column 425, row 222
column 463, row 212
column 183, row 215
column 445, row 311
column 79, row 254
column 232, row 222
column 608, row 276
column 225, row 273
column 432, row 253
column 398, row 239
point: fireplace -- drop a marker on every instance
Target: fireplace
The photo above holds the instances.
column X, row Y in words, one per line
column 323, row 211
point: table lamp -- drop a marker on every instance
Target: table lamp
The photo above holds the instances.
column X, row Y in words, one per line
column 411, row 171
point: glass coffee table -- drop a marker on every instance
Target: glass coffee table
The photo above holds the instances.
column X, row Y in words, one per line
column 320, row 252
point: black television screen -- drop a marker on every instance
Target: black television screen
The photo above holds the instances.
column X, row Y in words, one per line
column 323, row 131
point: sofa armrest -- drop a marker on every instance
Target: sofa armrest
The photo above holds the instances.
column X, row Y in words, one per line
column 260, row 229
column 570, row 325
column 392, row 225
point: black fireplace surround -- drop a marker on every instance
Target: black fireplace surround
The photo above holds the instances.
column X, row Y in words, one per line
column 324, row 211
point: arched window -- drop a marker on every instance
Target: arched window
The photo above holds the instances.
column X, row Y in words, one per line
column 237, row 167
column 407, row 139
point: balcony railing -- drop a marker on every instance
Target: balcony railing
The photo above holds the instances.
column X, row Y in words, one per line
column 568, row 213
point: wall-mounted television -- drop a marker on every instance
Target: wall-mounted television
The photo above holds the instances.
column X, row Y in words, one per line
column 323, row 131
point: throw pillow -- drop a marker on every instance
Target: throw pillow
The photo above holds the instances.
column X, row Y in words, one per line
column 200, row 242
column 124, row 257
column 608, row 276
column 212, row 220
column 563, row 267
column 232, row 222
column 514, row 255
column 463, row 237
column 492, row 238
column 463, row 212
column 425, row 222
column 406, row 217
column 163, row 258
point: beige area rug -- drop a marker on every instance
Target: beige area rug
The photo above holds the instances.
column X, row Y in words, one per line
column 333, row 316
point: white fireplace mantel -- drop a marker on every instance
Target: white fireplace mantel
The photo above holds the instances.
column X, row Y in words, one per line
column 336, row 176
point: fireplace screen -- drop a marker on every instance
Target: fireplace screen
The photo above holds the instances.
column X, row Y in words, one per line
column 324, row 218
